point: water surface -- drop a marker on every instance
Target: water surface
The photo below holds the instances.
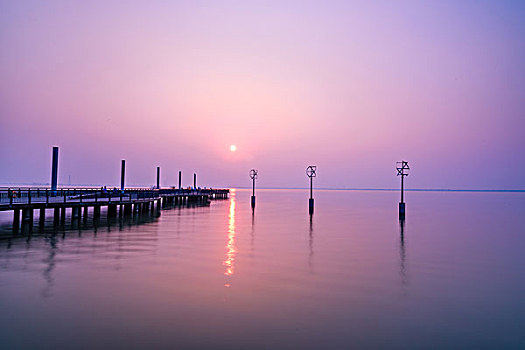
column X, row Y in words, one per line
column 452, row 275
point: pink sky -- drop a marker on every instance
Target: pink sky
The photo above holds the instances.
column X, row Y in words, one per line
column 349, row 86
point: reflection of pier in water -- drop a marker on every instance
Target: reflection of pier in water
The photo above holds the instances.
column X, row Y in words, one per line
column 93, row 221
column 49, row 251
column 50, row 266
column 231, row 248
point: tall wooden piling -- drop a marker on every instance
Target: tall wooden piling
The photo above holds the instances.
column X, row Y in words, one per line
column 180, row 179
column 54, row 169
column 158, row 177
column 122, row 174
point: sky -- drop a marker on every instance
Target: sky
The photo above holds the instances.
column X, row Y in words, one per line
column 349, row 86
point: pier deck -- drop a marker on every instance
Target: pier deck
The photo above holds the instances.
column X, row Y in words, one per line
column 25, row 200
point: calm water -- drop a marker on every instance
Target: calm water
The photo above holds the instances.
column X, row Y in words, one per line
column 217, row 277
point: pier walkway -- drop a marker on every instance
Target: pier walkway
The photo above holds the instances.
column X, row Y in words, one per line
column 81, row 200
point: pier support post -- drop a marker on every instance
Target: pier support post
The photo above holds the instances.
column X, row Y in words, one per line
column 180, row 179
column 63, row 216
column 27, row 219
column 96, row 212
column 195, row 181
column 85, row 215
column 56, row 216
column 42, row 217
column 112, row 210
column 16, row 220
column 75, row 212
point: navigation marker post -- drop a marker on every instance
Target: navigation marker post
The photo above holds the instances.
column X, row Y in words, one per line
column 311, row 173
column 402, row 168
column 253, row 176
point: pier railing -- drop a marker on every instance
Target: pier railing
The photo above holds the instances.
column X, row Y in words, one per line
column 72, row 195
column 29, row 195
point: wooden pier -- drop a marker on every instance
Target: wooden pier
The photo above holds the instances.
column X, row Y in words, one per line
column 80, row 201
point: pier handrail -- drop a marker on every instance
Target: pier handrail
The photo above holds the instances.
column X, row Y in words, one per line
column 28, row 195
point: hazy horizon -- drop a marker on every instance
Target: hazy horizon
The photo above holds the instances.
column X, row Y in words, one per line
column 65, row 185
column 351, row 87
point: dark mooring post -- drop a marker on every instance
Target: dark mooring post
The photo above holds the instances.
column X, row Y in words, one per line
column 158, row 177
column 194, row 180
column 402, row 168
column 311, row 173
column 54, row 170
column 180, row 179
column 122, row 174
column 253, row 176
column 16, row 219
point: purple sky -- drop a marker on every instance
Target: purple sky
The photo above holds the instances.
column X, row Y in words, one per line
column 349, row 86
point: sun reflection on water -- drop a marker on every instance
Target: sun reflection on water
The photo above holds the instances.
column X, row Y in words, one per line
column 231, row 249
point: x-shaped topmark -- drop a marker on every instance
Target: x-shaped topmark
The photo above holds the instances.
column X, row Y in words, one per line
column 404, row 166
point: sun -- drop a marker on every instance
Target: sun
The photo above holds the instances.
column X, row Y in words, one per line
column 233, row 148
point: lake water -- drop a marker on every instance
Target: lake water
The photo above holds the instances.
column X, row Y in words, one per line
column 219, row 277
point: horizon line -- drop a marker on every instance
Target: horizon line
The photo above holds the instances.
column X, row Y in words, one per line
column 386, row 189
column 304, row 188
